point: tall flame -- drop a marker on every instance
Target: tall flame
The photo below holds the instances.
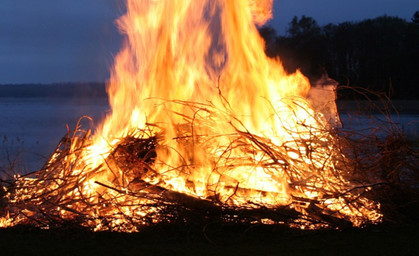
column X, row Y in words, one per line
column 230, row 123
column 207, row 52
column 193, row 51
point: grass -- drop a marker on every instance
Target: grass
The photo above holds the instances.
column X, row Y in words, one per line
column 170, row 240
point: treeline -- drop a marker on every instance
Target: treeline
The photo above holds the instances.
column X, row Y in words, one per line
column 56, row 90
column 380, row 54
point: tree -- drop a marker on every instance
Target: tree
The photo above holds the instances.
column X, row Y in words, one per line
column 306, row 45
column 268, row 33
column 303, row 26
column 415, row 18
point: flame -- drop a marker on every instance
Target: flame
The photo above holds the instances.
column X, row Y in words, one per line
column 206, row 52
column 230, row 124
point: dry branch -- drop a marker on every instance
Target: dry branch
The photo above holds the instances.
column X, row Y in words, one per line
column 135, row 193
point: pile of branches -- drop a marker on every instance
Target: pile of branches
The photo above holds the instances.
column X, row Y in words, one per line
column 387, row 158
column 59, row 194
column 381, row 153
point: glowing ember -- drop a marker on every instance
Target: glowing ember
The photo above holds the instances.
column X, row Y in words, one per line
column 201, row 118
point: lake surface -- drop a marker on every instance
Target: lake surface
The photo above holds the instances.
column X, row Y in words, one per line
column 407, row 124
column 31, row 128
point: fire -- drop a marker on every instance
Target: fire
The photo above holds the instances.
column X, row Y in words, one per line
column 199, row 112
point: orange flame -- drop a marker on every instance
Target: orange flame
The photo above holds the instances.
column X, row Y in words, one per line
column 207, row 52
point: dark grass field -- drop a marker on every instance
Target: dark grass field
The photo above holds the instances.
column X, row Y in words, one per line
column 216, row 240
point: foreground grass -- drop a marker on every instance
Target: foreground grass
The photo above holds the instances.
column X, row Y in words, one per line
column 381, row 240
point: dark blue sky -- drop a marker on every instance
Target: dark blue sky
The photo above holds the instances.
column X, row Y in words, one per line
column 75, row 40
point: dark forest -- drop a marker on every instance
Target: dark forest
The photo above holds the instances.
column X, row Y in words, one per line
column 380, row 55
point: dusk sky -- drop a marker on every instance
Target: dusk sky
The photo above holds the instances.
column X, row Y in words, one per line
column 47, row 41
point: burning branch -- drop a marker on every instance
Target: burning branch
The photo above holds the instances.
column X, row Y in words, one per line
column 127, row 191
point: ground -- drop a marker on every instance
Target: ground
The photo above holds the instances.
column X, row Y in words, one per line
column 378, row 240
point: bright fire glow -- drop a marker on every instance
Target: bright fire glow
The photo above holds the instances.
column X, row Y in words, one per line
column 230, row 126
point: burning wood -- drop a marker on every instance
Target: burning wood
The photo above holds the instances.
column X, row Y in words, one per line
column 203, row 127
column 134, row 193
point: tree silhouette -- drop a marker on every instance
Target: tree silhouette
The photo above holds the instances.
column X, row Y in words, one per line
column 302, row 27
column 306, row 44
column 415, row 18
column 380, row 54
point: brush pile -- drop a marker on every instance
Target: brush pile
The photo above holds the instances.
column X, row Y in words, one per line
column 385, row 156
column 336, row 192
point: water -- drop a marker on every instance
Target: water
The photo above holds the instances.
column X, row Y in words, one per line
column 31, row 128
column 407, row 124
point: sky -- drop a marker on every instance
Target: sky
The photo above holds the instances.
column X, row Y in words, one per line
column 49, row 41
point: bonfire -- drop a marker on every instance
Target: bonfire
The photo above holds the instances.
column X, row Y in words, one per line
column 204, row 127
